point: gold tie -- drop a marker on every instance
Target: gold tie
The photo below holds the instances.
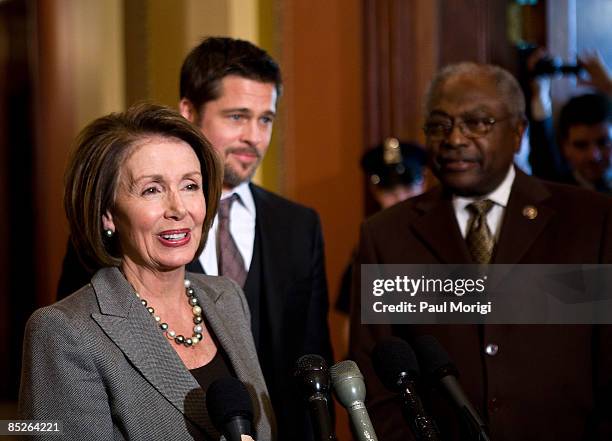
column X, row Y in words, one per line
column 479, row 238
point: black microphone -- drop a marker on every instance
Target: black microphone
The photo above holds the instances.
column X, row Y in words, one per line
column 396, row 366
column 438, row 366
column 350, row 390
column 313, row 376
column 230, row 408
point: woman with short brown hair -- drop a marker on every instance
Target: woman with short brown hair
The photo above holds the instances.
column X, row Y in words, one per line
column 130, row 355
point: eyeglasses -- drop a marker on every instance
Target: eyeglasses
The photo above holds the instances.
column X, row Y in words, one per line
column 439, row 128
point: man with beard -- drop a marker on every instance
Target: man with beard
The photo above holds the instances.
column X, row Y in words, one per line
column 272, row 247
column 528, row 382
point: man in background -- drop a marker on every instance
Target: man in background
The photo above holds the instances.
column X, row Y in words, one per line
column 394, row 171
column 528, row 382
column 585, row 138
column 581, row 154
column 229, row 88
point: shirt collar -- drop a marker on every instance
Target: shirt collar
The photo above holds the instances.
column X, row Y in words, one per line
column 246, row 197
column 499, row 196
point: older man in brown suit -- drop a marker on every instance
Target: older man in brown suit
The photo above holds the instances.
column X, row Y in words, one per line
column 529, row 382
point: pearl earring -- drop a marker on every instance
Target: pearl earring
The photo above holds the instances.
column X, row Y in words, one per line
column 109, row 233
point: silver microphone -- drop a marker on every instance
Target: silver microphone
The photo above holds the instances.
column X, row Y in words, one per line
column 350, row 390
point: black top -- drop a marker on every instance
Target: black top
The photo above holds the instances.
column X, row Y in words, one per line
column 218, row 367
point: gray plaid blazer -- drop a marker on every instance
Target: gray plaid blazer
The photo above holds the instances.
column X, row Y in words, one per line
column 98, row 362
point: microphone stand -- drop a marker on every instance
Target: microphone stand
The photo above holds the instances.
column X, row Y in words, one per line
column 422, row 425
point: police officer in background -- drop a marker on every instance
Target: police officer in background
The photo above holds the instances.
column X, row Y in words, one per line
column 395, row 172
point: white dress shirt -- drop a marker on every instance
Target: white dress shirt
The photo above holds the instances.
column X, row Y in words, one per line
column 242, row 228
column 495, row 216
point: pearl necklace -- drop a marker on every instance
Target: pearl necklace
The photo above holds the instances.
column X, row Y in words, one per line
column 197, row 319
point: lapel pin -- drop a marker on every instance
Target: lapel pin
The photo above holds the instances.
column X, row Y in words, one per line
column 530, row 212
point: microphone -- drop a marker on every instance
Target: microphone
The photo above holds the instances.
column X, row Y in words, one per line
column 350, row 390
column 313, row 375
column 396, row 366
column 230, row 408
column 439, row 367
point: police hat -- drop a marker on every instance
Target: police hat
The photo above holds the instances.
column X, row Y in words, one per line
column 394, row 163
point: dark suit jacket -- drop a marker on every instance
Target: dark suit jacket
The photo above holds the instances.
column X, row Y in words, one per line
column 287, row 292
column 545, row 382
column 287, row 274
column 98, row 362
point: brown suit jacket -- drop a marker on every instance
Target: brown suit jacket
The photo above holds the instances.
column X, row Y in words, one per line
column 546, row 382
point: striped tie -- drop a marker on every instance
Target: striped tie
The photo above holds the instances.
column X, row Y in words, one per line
column 479, row 238
column 230, row 261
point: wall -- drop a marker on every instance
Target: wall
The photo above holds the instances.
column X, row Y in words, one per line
column 322, row 130
column 79, row 76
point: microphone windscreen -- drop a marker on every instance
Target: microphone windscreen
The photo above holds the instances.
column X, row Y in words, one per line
column 313, row 372
column 344, row 369
column 227, row 398
column 348, row 382
column 393, row 358
column 433, row 359
column 308, row 363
